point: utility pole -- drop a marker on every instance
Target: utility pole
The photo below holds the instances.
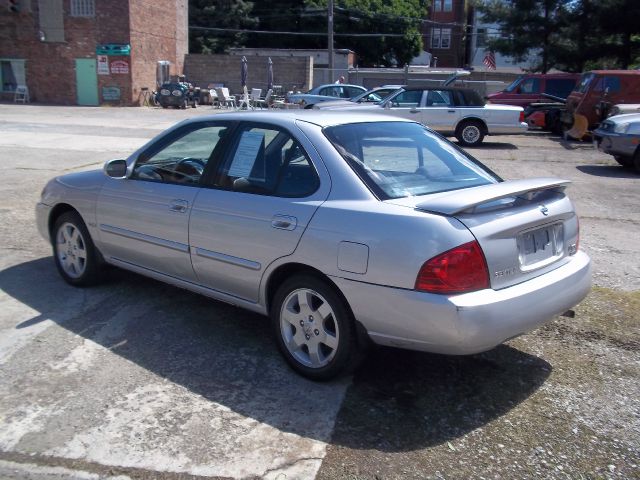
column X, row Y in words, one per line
column 330, row 41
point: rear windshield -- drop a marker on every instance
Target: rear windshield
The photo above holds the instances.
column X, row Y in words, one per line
column 397, row 159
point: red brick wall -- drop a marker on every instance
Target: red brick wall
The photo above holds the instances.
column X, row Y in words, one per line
column 156, row 30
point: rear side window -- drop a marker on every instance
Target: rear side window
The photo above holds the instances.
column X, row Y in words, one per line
column 268, row 161
column 560, row 87
column 398, row 159
column 439, row 98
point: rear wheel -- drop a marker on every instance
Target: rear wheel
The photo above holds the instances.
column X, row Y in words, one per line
column 470, row 133
column 313, row 328
column 636, row 160
column 75, row 255
column 624, row 161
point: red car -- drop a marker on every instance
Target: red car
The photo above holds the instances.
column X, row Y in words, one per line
column 529, row 88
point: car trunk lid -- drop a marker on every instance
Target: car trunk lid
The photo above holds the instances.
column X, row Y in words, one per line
column 524, row 227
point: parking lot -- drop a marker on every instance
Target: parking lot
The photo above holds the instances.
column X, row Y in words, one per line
column 136, row 379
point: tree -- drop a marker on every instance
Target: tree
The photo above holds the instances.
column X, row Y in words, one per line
column 528, row 26
column 231, row 14
column 399, row 17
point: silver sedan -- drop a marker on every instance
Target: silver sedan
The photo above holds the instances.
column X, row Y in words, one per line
column 343, row 228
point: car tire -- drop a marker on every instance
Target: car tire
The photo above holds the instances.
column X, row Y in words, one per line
column 76, row 257
column 309, row 106
column 470, row 133
column 165, row 106
column 636, row 160
column 317, row 337
column 624, row 161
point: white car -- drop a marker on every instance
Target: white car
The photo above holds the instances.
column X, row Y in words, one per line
column 459, row 112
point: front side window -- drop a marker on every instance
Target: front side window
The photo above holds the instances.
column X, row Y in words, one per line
column 398, row 159
column 407, row 99
column 267, row 161
column 183, row 160
column 333, row 91
column 604, row 83
column 530, row 85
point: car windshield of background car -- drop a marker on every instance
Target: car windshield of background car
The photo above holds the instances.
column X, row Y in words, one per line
column 397, row 159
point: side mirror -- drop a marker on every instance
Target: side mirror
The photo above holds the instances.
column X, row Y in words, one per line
column 606, row 91
column 387, row 105
column 116, row 168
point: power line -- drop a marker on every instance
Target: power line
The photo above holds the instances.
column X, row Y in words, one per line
column 308, row 34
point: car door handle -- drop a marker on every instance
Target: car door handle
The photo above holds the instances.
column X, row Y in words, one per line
column 284, row 222
column 178, row 205
column 451, row 111
column 414, row 110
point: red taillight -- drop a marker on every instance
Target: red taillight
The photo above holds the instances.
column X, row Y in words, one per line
column 459, row 270
column 521, row 119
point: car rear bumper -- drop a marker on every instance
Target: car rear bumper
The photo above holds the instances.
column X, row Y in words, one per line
column 42, row 220
column 510, row 129
column 468, row 323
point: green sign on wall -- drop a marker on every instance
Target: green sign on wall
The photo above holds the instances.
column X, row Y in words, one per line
column 113, row 49
column 110, row 94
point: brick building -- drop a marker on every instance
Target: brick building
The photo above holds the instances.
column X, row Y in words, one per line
column 445, row 33
column 89, row 52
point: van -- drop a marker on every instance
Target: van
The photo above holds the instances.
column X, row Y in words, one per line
column 529, row 88
column 594, row 96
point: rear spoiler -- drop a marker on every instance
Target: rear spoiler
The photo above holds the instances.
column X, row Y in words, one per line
column 459, row 201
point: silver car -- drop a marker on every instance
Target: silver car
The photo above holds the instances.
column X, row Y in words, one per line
column 620, row 136
column 451, row 111
column 343, row 228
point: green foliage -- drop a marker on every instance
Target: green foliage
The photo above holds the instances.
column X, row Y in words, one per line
column 571, row 35
column 234, row 14
column 350, row 16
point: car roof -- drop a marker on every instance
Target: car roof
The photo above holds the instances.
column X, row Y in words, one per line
column 437, row 87
column 322, row 118
column 339, row 85
column 626, row 117
column 616, row 72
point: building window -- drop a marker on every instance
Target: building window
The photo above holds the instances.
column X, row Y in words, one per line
column 437, row 5
column 445, row 39
column 11, row 75
column 83, row 8
column 441, row 38
column 435, row 38
column 481, row 37
column 447, row 5
column 51, row 20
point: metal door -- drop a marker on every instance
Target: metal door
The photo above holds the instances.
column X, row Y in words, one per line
column 86, row 81
column 235, row 235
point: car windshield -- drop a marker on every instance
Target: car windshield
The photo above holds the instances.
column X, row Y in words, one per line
column 402, row 159
column 515, row 83
column 582, row 86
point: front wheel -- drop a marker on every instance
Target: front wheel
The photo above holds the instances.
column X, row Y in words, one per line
column 624, row 161
column 470, row 133
column 636, row 160
column 76, row 257
column 313, row 328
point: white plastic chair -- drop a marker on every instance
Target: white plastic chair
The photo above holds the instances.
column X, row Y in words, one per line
column 255, row 100
column 224, row 98
column 244, row 102
column 21, row 94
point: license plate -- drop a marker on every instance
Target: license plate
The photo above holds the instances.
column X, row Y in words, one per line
column 540, row 246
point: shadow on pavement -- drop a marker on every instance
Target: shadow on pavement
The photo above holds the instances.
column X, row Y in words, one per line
column 399, row 401
column 611, row 171
column 492, row 146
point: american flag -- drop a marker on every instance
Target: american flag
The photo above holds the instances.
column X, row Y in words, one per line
column 489, row 60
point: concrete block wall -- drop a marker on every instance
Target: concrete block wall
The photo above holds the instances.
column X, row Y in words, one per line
column 203, row 70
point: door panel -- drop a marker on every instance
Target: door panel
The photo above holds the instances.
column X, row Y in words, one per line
column 144, row 219
column 265, row 194
column 439, row 111
column 86, row 81
column 147, row 224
